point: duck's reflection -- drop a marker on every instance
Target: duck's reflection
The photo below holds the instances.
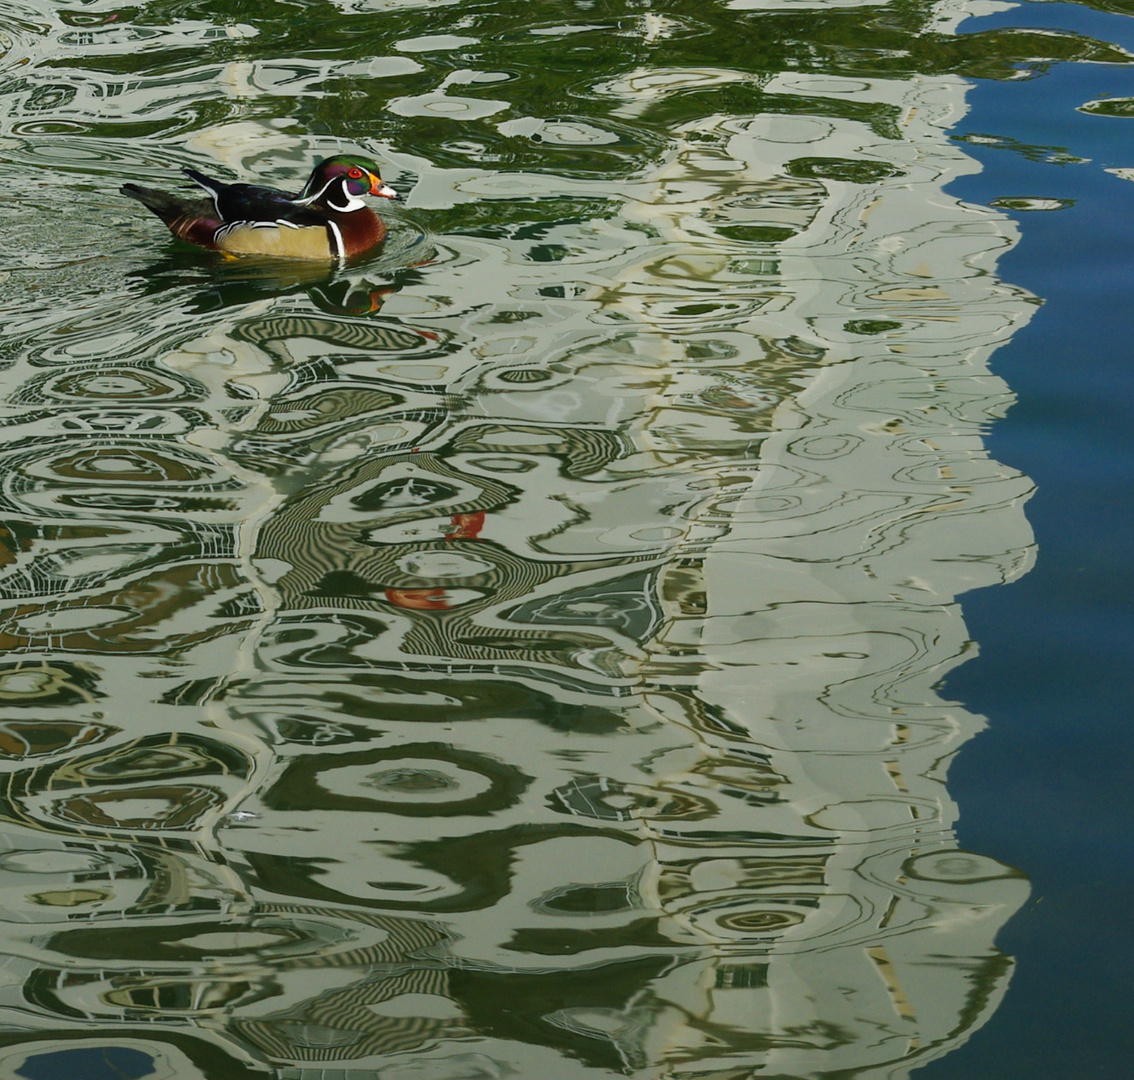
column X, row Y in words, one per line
column 207, row 282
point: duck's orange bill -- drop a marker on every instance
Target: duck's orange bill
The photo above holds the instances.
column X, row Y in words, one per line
column 382, row 189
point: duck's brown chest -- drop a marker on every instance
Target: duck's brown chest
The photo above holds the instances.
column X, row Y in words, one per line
column 359, row 230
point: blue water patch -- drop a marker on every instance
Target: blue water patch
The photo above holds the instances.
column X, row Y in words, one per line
column 88, row 1063
column 1047, row 787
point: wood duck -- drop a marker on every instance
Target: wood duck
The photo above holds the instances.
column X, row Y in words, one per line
column 326, row 220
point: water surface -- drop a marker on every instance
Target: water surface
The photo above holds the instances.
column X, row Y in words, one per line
column 517, row 653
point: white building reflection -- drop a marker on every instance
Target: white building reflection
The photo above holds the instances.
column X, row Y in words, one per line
column 546, row 676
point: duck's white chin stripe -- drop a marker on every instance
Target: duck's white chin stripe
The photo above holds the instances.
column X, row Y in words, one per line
column 352, row 204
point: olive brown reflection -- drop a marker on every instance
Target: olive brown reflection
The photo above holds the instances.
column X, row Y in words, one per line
column 536, row 677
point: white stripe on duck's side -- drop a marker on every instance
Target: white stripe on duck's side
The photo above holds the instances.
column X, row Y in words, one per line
column 336, row 233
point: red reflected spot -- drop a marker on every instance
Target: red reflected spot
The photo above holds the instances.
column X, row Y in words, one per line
column 418, row 599
column 466, row 526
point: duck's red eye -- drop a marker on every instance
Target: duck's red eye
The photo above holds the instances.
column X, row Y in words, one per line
column 356, row 173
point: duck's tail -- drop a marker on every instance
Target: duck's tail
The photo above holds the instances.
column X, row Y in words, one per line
column 169, row 208
column 188, row 219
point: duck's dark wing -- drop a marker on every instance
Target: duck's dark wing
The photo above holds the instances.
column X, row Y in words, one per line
column 247, row 202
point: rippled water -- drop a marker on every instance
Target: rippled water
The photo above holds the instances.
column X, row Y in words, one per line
column 515, row 653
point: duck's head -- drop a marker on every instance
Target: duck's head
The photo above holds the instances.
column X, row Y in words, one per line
column 342, row 180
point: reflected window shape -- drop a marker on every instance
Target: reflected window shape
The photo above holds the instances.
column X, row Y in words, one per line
column 153, row 757
column 755, row 782
column 383, row 1015
column 303, row 732
column 317, row 1036
column 103, row 383
column 426, row 1006
column 36, row 883
column 504, row 464
column 415, row 780
column 409, row 491
column 111, row 796
column 346, row 333
column 32, row 684
column 314, row 642
column 28, row 739
column 584, row 900
column 393, row 489
column 70, row 898
column 581, row 452
column 80, row 862
column 121, row 992
column 148, row 761
column 853, row 170
column 411, row 782
column 371, row 696
column 342, row 583
column 179, row 996
column 585, row 1013
column 172, row 806
column 261, row 936
column 625, row 1029
column 612, row 800
column 443, row 563
column 958, row 867
column 626, row 604
column 742, row 976
column 325, row 405
column 113, row 464
column 737, row 397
